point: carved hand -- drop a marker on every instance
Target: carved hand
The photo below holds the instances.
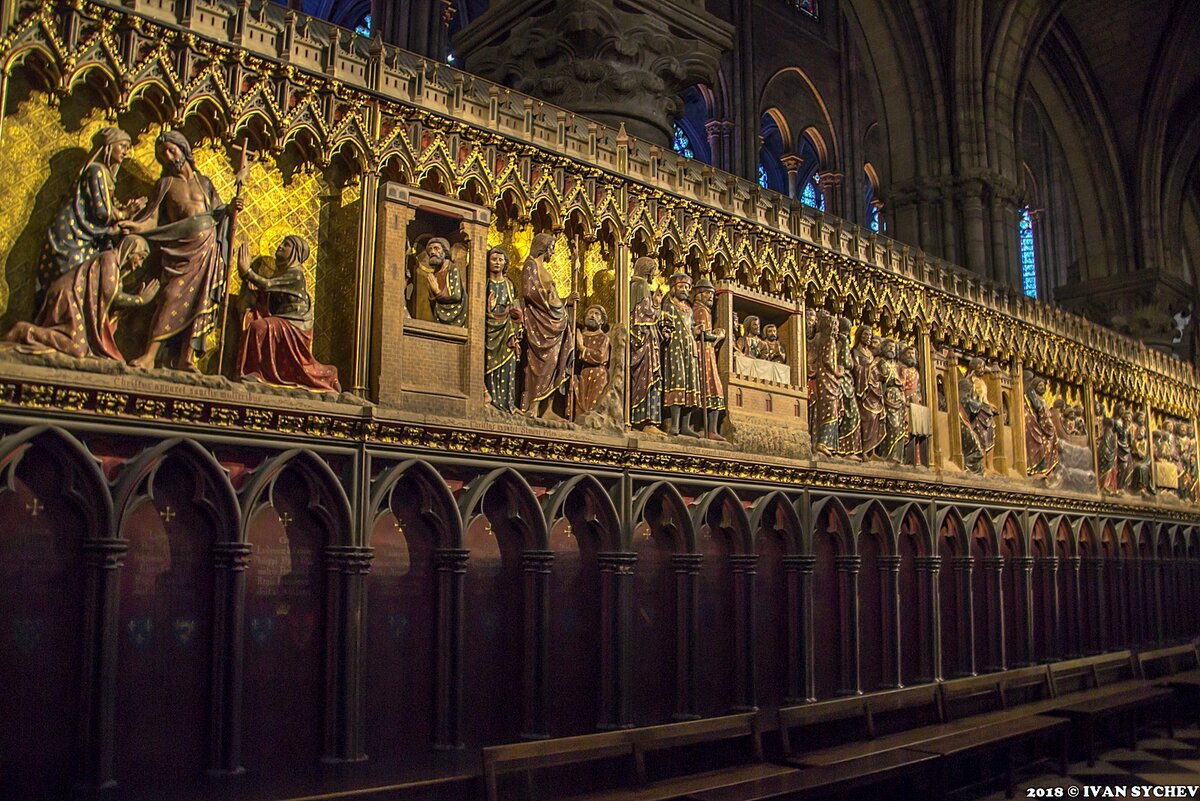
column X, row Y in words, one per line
column 149, row 290
column 243, row 260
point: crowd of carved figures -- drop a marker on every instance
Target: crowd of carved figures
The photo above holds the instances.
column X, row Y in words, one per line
column 185, row 232
column 866, row 398
column 544, row 354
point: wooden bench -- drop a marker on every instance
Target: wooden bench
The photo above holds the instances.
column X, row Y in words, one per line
column 632, row 747
column 1177, row 668
column 1003, row 735
column 1094, row 689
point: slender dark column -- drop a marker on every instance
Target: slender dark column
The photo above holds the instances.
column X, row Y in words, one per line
column 1100, row 614
column 801, row 681
column 616, row 669
column 744, row 568
column 1156, row 587
column 966, row 615
column 346, row 610
column 229, row 598
column 889, row 568
column 1054, row 631
column 1024, row 564
column 536, row 567
column 687, row 618
column 847, row 567
column 929, row 568
column 1075, row 593
column 1124, row 636
column 102, row 560
column 994, row 565
column 451, row 566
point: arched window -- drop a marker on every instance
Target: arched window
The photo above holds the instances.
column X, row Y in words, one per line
column 364, row 28
column 683, row 144
column 771, row 173
column 811, row 195
column 1028, row 258
column 809, row 179
column 870, row 193
column 809, row 7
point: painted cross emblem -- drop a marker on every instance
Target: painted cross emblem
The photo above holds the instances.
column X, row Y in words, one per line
column 168, row 514
column 34, row 506
column 285, row 518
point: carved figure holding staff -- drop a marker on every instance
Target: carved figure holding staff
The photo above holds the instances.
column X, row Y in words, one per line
column 681, row 360
column 712, row 392
column 548, row 335
column 188, row 222
column 645, row 348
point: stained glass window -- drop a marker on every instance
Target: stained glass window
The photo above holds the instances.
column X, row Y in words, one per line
column 683, row 145
column 364, row 27
column 872, row 206
column 809, row 7
column 762, row 176
column 812, row 196
column 1028, row 259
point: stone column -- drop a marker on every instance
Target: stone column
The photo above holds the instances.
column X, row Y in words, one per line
column 936, row 448
column 994, row 565
column 229, row 615
column 929, row 567
column 831, row 183
column 367, row 251
column 616, row 668
column 547, row 48
column 1024, row 564
column 966, row 614
column 889, row 569
column 345, row 617
column 536, row 567
column 976, row 255
column 847, row 567
column 718, row 143
column 1120, row 592
column 389, row 312
column 1156, row 587
column 1054, row 629
column 102, row 561
column 744, row 569
column 451, row 567
column 792, row 163
column 953, row 405
column 801, row 682
column 687, row 617
column 1017, row 415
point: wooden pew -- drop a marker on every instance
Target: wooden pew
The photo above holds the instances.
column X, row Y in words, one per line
column 634, row 747
column 1177, row 668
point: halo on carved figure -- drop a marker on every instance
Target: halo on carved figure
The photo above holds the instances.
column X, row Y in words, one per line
column 436, row 501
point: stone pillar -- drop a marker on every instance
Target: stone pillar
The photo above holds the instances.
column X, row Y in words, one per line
column 976, row 255
column 936, row 446
column 1024, row 564
column 718, row 143
column 548, row 48
column 994, row 565
column 953, row 406
column 451, row 567
column 831, row 183
column 361, row 377
column 801, row 682
column 1156, row 573
column 1054, row 632
column 102, row 561
column 687, row 617
column 966, row 615
column 792, row 163
column 345, row 617
column 536, row 567
column 616, row 668
column 929, row 568
column 847, row 567
column 889, row 569
column 229, row 615
column 1117, row 579
column 744, row 568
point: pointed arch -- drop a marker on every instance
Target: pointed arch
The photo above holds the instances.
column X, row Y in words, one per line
column 950, row 516
column 709, row 509
column 216, row 495
column 831, row 509
column 333, row 509
column 520, row 505
column 84, row 484
column 670, row 503
column 437, row 503
column 775, row 512
column 595, row 507
column 915, row 516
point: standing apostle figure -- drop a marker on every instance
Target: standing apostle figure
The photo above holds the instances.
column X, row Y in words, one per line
column 681, row 360
column 645, row 349
column 502, row 338
column 548, row 340
column 712, row 393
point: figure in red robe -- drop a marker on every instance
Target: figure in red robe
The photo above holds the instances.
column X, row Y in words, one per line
column 277, row 343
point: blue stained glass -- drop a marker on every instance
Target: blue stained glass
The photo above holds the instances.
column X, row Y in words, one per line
column 1028, row 259
column 364, row 27
column 762, row 176
column 873, row 218
column 811, row 196
column 809, row 7
column 683, row 145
